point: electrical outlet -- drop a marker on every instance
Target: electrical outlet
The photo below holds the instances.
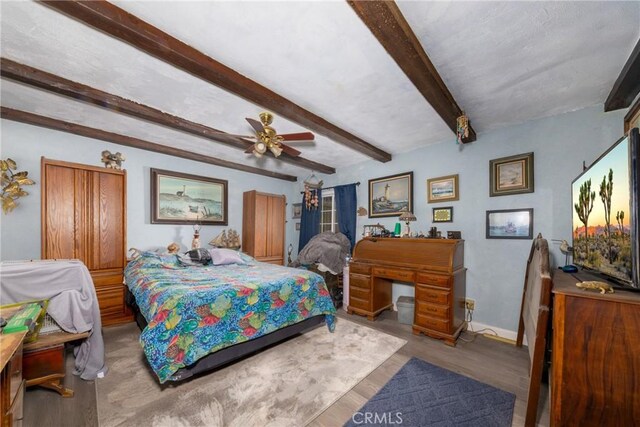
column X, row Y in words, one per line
column 470, row 304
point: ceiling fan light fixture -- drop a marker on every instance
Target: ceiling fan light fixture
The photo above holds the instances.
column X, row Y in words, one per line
column 260, row 147
column 276, row 150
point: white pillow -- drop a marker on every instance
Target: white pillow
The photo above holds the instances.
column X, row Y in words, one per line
column 222, row 256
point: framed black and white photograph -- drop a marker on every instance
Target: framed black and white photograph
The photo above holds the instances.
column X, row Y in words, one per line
column 297, row 211
column 391, row 195
column 180, row 198
column 444, row 214
column 510, row 224
column 297, row 226
column 511, row 175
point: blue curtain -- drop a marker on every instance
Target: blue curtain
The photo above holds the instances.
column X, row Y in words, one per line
column 346, row 207
column 310, row 222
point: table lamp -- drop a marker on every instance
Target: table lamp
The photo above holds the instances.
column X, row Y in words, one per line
column 407, row 217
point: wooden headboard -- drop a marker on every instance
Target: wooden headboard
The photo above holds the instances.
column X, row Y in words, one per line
column 534, row 318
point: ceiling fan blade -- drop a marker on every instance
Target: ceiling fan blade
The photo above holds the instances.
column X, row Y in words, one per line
column 256, row 125
column 290, row 151
column 237, row 136
column 250, row 149
column 301, row 136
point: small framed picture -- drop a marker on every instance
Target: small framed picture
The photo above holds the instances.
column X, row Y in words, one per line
column 510, row 224
column 443, row 214
column 442, row 189
column 511, row 175
column 297, row 226
column 297, row 211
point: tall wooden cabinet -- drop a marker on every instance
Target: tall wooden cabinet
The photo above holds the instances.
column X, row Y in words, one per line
column 84, row 217
column 263, row 226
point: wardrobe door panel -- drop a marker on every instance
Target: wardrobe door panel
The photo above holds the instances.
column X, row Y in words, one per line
column 108, row 220
column 58, row 231
column 275, row 246
column 261, row 226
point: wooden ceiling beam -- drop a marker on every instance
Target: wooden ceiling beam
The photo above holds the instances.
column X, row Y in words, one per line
column 627, row 85
column 80, row 92
column 126, row 27
column 385, row 20
column 128, row 141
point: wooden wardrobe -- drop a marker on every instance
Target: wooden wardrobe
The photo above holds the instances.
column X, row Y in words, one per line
column 263, row 226
column 84, row 217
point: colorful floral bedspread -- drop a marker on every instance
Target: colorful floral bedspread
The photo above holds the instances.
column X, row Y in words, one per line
column 194, row 311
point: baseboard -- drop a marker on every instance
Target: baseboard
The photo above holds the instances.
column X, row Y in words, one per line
column 502, row 333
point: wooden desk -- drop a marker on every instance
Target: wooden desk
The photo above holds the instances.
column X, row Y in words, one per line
column 435, row 266
column 596, row 356
column 11, row 382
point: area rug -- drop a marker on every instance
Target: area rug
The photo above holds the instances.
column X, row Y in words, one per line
column 421, row 394
column 285, row 385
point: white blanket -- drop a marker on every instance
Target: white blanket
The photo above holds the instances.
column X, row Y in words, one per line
column 72, row 299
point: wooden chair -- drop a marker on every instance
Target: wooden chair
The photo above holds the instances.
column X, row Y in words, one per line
column 534, row 319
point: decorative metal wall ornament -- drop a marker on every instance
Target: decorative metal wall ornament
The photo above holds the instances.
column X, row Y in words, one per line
column 11, row 185
column 311, row 185
column 462, row 128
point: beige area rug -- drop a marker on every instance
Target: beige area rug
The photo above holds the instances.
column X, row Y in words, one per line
column 286, row 385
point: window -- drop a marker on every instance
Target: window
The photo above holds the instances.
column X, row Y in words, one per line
column 328, row 215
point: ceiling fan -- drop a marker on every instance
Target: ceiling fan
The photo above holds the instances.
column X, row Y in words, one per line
column 267, row 138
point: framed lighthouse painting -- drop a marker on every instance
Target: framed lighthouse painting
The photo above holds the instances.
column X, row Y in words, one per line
column 180, row 198
column 391, row 195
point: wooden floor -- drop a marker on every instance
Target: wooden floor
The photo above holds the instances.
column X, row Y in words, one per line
column 499, row 364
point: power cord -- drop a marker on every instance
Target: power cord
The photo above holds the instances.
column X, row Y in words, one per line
column 474, row 334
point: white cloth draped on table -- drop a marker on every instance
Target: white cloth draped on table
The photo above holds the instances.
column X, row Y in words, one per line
column 73, row 303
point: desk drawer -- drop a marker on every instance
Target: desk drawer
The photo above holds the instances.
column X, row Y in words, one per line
column 439, row 311
column 394, row 273
column 434, row 323
column 359, row 281
column 434, row 280
column 363, row 304
column 360, row 293
column 359, row 268
column 432, row 295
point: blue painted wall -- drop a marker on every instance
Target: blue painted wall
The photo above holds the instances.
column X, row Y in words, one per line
column 496, row 267
column 20, row 230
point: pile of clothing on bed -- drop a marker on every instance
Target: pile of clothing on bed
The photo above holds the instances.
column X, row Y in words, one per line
column 326, row 254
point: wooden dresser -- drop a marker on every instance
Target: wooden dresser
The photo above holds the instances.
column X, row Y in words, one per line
column 435, row 266
column 595, row 368
column 263, row 226
column 84, row 217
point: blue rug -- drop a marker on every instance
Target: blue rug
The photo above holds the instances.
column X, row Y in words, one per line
column 421, row 394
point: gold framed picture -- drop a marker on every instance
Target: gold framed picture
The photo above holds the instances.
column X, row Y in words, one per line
column 442, row 214
column 391, row 195
column 442, row 189
column 511, row 175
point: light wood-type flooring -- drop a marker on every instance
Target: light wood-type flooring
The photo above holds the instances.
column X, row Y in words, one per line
column 492, row 362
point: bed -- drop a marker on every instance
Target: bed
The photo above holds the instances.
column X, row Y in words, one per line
column 196, row 318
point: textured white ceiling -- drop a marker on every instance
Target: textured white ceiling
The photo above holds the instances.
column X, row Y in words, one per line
column 509, row 62
column 504, row 62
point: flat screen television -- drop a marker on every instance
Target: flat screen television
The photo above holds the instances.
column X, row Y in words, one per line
column 605, row 210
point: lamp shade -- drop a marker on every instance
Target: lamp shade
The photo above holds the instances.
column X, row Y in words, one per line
column 407, row 216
